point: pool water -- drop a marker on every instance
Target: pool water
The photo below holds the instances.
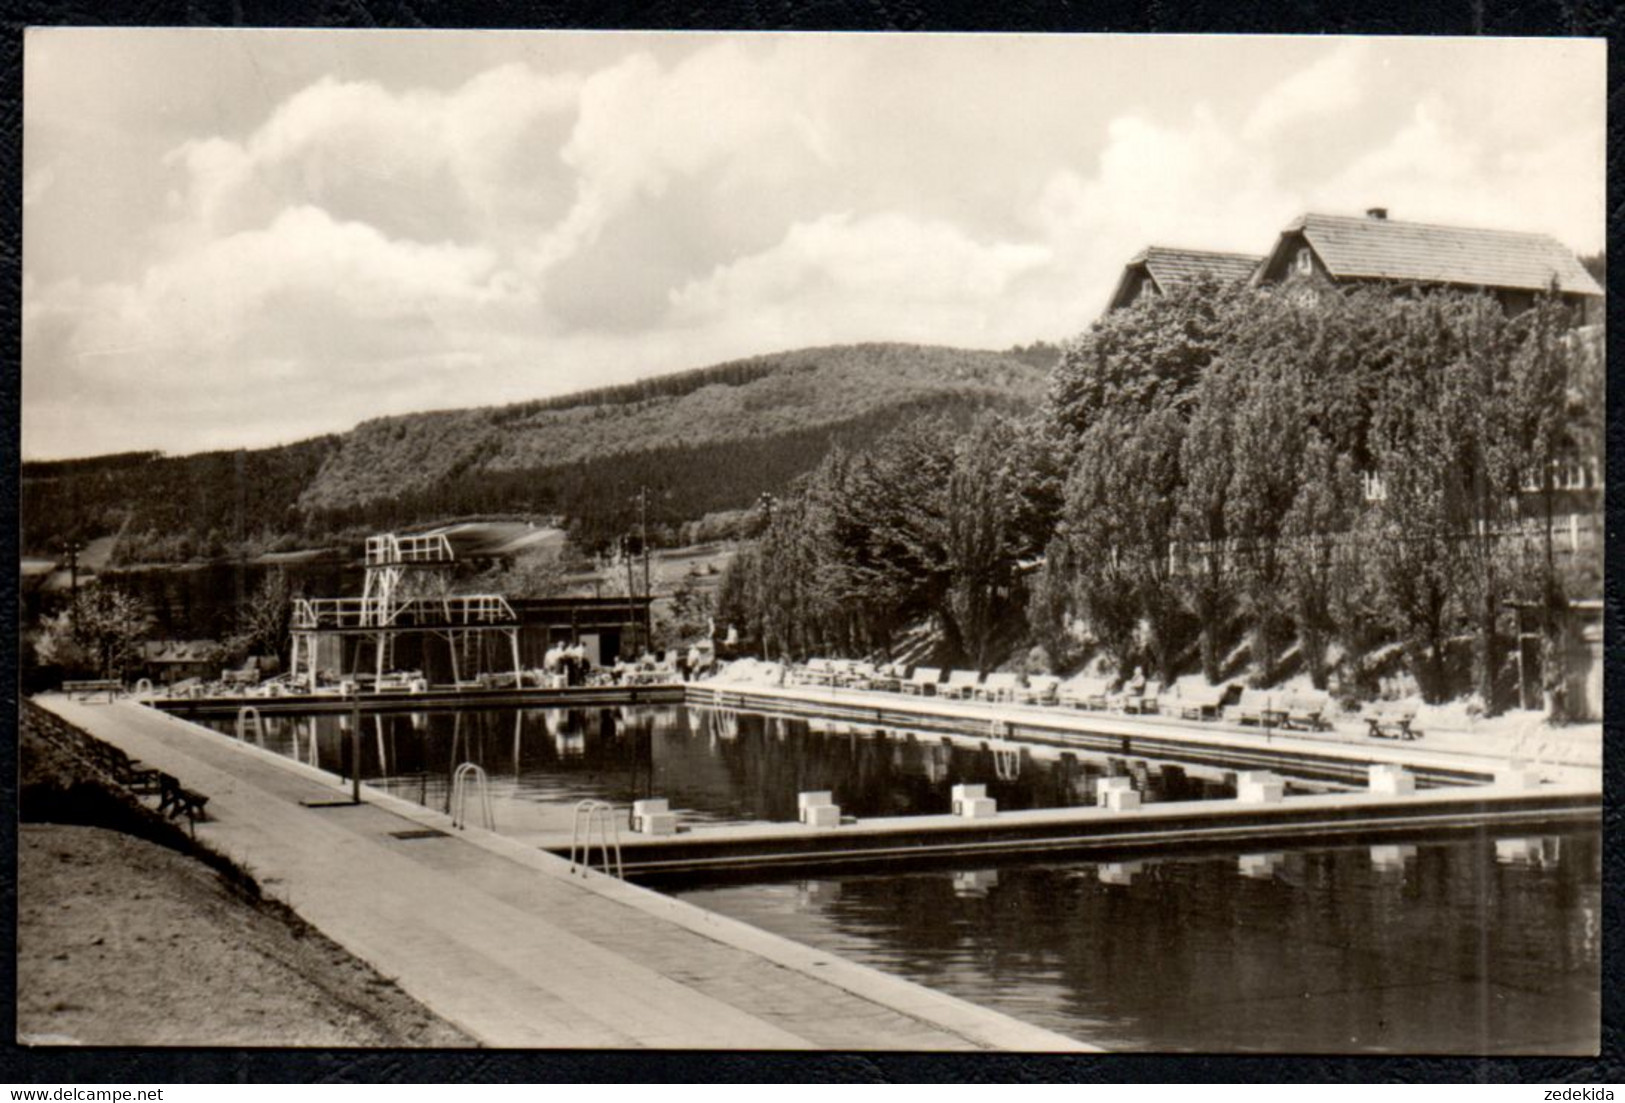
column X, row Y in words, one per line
column 717, row 766
column 1481, row 946
column 1478, row 946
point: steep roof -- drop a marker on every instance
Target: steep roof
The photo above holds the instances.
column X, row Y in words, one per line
column 1415, row 252
column 1169, row 268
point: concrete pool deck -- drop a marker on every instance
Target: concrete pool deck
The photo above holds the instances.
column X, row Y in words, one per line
column 502, row 940
column 1454, row 755
column 1096, row 832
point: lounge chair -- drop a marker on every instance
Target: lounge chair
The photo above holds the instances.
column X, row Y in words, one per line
column 888, row 676
column 818, row 672
column 1083, row 692
column 1308, row 709
column 1202, row 703
column 999, row 687
column 923, row 681
column 1254, row 707
column 1391, row 720
column 961, row 684
column 855, row 675
column 1041, row 689
column 1145, row 702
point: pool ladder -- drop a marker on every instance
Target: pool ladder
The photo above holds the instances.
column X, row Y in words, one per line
column 469, row 776
column 590, row 815
column 250, row 713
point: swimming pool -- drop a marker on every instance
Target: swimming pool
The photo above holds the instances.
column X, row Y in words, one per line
column 1477, row 946
column 720, row 766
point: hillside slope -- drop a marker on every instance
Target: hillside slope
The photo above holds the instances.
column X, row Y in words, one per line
column 765, row 397
column 700, row 441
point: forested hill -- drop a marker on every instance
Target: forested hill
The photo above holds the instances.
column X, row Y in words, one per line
column 701, row 441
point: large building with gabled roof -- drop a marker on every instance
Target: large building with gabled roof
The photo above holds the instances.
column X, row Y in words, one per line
column 1513, row 266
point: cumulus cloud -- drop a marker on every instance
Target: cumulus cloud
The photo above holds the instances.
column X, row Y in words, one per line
column 888, row 258
column 557, row 218
column 1331, row 85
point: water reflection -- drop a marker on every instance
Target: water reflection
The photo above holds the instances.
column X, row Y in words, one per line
column 1436, row 948
column 714, row 765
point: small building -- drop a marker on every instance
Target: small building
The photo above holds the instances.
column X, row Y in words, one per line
column 1512, row 266
column 1159, row 269
column 169, row 661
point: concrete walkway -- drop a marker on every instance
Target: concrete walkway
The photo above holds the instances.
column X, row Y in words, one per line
column 503, row 941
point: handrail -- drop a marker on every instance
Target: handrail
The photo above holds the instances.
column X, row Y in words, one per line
column 388, row 549
column 1007, row 763
column 601, row 814
column 249, row 712
column 467, row 775
column 452, row 610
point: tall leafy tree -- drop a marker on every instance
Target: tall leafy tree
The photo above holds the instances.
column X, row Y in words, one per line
column 1207, row 576
column 101, row 631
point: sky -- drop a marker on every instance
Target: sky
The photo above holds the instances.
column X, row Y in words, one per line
column 242, row 238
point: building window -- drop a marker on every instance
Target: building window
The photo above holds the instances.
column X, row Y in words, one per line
column 1306, row 262
column 1375, row 489
column 1566, row 475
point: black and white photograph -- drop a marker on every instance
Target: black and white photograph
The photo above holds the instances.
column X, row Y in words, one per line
column 912, row 543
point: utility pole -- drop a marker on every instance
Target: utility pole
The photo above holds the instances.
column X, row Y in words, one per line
column 631, row 591
column 643, row 535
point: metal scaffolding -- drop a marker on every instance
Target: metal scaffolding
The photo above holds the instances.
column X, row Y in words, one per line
column 388, row 610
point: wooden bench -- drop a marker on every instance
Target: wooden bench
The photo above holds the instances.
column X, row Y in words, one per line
column 1390, row 721
column 1308, row 709
column 86, row 688
column 175, row 800
column 128, row 772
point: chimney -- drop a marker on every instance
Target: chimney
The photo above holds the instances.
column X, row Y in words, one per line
column 1377, row 214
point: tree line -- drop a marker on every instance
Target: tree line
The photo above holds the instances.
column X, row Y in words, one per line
column 1221, row 478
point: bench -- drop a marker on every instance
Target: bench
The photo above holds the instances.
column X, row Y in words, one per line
column 86, row 688
column 175, row 800
column 1390, row 721
column 123, row 769
column 1309, row 710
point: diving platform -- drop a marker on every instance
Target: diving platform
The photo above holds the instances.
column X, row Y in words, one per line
column 407, row 592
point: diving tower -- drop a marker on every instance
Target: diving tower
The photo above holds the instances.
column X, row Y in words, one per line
column 406, row 592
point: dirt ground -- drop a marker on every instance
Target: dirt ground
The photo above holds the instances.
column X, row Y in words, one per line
column 121, row 941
